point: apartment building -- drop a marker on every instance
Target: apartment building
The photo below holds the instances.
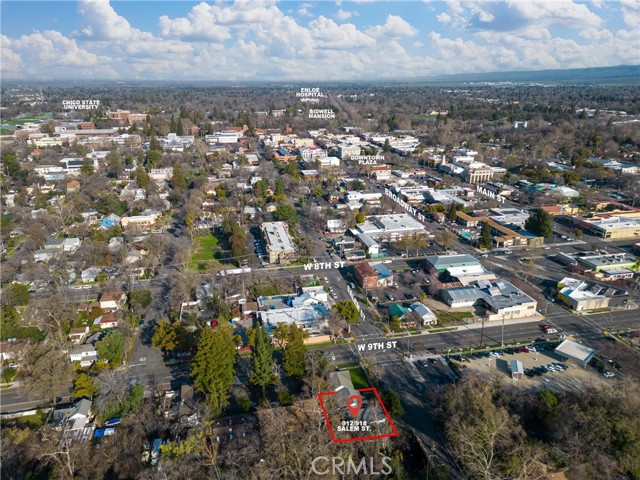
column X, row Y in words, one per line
column 280, row 247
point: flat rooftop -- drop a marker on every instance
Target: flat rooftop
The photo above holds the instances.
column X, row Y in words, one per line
column 400, row 223
column 614, row 223
column 277, row 236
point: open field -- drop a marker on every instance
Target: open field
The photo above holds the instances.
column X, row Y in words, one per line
column 204, row 256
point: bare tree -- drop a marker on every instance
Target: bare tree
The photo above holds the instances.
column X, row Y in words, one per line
column 48, row 371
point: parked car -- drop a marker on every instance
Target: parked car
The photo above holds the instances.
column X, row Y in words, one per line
column 608, row 374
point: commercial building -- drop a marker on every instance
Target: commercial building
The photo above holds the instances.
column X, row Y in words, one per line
column 502, row 236
column 548, row 188
column 142, row 222
column 610, row 227
column 500, row 299
column 477, row 172
column 328, row 162
column 372, row 247
column 507, row 216
column 597, row 261
column 390, row 227
column 423, row 314
column 311, row 154
column 306, row 310
column 440, row 263
column 582, row 296
column 570, row 350
column 226, row 137
column 467, row 275
column 380, row 172
column 365, row 276
column 346, row 151
column 280, row 246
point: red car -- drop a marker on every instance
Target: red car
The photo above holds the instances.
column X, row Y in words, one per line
column 524, row 350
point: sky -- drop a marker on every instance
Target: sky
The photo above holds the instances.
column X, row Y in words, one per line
column 272, row 40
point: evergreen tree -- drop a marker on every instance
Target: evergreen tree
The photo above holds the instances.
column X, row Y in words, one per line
column 295, row 353
column 540, row 223
column 485, row 236
column 213, row 366
column 278, row 193
column 141, row 177
column 387, row 146
column 172, row 125
column 286, row 213
column 153, row 158
column 115, row 164
column 451, row 215
column 262, row 359
column 179, row 127
column 87, row 167
column 111, row 348
column 84, row 386
column 154, row 144
column 178, row 180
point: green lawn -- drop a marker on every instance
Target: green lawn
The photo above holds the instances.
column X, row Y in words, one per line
column 204, row 255
column 455, row 318
column 358, row 378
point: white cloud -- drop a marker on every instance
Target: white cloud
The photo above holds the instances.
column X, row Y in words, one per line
column 304, row 9
column 631, row 17
column 252, row 39
column 394, row 27
column 200, row 24
column 101, row 22
column 343, row 14
column 328, row 34
column 444, row 18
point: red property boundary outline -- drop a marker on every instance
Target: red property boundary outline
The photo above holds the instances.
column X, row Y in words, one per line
column 370, row 437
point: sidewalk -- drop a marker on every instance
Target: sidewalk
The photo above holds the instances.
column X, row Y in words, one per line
column 497, row 323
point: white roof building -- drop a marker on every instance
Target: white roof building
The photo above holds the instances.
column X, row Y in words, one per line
column 575, row 351
column 390, row 227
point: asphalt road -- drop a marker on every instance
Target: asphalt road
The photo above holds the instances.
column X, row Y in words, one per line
column 146, row 363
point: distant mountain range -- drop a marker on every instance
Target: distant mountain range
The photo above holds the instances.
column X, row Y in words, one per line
column 622, row 74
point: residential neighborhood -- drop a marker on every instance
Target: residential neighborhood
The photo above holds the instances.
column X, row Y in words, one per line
column 365, row 277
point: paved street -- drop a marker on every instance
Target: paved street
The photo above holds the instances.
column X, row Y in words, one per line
column 146, row 363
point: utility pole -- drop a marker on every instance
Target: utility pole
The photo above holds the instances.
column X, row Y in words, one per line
column 502, row 342
column 482, row 333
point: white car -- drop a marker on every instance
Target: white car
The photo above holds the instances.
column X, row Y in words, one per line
column 608, row 374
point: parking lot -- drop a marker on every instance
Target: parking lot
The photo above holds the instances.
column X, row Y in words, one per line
column 543, row 369
column 435, row 370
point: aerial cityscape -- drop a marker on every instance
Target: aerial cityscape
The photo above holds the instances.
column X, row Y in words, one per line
column 258, row 240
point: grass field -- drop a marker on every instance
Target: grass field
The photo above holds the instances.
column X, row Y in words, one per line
column 204, row 255
column 452, row 318
column 358, row 378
